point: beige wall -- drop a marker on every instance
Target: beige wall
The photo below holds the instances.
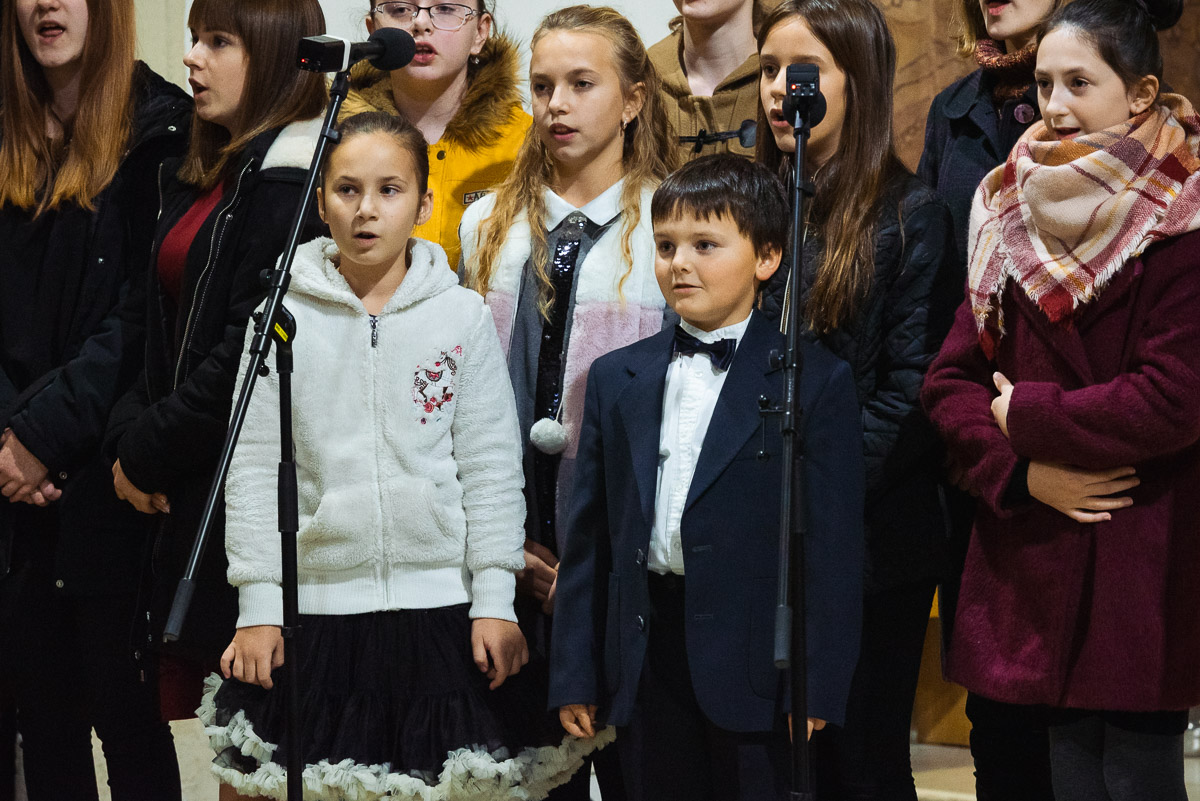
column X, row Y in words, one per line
column 161, row 37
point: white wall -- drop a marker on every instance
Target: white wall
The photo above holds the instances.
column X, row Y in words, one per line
column 163, row 36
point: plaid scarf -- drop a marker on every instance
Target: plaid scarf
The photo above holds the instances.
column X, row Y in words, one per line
column 1012, row 72
column 1062, row 218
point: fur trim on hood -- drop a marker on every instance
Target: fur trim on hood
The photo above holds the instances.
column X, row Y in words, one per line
column 315, row 274
column 488, row 104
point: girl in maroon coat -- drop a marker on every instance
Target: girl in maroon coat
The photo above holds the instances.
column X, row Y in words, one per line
column 1069, row 395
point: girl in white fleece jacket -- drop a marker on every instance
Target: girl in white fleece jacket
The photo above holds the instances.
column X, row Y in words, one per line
column 411, row 520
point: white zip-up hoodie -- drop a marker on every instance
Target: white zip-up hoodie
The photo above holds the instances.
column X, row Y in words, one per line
column 407, row 452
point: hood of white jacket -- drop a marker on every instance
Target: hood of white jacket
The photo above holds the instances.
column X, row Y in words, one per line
column 314, row 274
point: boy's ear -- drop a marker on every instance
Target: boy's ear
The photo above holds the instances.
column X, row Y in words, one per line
column 1142, row 94
column 321, row 203
column 370, row 24
column 634, row 101
column 767, row 262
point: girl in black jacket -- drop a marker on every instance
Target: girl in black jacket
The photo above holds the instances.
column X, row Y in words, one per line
column 876, row 291
column 82, row 127
column 224, row 214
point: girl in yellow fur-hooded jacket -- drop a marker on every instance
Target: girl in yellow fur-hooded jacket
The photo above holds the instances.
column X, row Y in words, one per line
column 461, row 92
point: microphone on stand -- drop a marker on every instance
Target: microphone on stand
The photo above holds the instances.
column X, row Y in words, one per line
column 387, row 49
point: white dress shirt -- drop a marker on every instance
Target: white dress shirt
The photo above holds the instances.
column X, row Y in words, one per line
column 692, row 388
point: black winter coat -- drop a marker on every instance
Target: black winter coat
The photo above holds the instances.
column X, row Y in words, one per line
column 82, row 325
column 169, row 429
column 965, row 139
column 889, row 343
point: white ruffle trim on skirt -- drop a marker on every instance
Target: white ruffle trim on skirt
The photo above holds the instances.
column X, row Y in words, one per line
column 468, row 774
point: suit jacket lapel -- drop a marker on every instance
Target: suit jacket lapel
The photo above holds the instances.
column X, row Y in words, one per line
column 639, row 407
column 736, row 416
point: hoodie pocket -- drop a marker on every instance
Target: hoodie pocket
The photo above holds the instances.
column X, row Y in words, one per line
column 332, row 538
column 422, row 523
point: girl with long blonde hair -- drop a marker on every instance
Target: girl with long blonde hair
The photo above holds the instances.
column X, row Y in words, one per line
column 563, row 252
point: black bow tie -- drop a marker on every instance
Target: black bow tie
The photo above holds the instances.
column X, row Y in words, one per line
column 720, row 352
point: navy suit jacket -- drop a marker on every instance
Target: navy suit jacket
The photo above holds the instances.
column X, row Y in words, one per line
column 730, row 530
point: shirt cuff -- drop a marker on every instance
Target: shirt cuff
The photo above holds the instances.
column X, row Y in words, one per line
column 492, row 593
column 260, row 603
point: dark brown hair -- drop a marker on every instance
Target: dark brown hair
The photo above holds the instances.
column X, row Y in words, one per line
column 37, row 171
column 393, row 125
column 1125, row 34
column 850, row 184
column 275, row 93
column 725, row 185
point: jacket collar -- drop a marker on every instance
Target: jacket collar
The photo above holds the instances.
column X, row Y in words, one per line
column 667, row 56
column 315, row 275
column 491, row 99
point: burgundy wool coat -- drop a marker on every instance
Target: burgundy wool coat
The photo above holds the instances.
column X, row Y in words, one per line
column 1091, row 616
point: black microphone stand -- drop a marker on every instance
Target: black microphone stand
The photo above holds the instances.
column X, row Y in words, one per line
column 805, row 107
column 274, row 322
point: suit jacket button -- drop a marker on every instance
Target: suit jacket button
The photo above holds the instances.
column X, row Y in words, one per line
column 641, row 623
column 640, row 557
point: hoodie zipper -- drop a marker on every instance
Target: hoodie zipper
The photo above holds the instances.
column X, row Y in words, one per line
column 374, row 331
column 214, row 247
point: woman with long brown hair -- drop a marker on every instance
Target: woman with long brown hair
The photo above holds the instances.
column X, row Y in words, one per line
column 224, row 214
column 82, row 125
column 877, row 291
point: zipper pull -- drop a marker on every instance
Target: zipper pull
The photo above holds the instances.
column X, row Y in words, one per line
column 374, row 331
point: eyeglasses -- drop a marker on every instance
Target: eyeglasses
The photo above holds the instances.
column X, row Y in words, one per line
column 444, row 16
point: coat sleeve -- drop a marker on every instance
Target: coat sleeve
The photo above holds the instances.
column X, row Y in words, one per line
column 193, row 419
column 958, row 395
column 834, row 475
column 64, row 424
column 931, row 154
column 1151, row 408
column 576, row 647
column 487, row 449
column 252, row 505
column 917, row 313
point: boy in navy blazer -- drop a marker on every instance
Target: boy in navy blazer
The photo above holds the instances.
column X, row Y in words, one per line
column 666, row 590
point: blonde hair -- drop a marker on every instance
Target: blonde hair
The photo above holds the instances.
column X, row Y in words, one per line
column 38, row 171
column 648, row 156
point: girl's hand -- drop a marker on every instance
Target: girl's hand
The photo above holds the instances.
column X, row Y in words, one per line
column 541, row 570
column 548, row 604
column 253, row 654
column 21, row 473
column 503, row 642
column 1081, row 494
column 1000, row 404
column 144, row 502
column 578, row 719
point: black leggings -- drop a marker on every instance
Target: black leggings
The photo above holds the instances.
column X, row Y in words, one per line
column 868, row 758
column 69, row 668
column 1105, row 756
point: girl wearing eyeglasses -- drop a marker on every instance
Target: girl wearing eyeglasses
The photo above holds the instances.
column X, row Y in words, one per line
column 460, row 91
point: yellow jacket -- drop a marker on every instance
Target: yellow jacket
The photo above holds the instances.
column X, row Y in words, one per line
column 734, row 101
column 478, row 148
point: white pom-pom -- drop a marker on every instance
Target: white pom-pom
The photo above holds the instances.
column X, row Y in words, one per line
column 548, row 436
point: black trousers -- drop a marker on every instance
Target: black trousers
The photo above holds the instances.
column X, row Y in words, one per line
column 1117, row 756
column 868, row 758
column 69, row 667
column 670, row 751
column 1010, row 744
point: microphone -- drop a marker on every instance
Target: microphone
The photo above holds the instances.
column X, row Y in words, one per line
column 387, row 49
column 803, row 102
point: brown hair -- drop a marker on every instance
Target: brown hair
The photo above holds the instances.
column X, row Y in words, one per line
column 38, row 171
column 649, row 154
column 850, row 184
column 401, row 130
column 276, row 92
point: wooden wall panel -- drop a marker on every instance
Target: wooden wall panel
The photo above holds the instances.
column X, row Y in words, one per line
column 926, row 62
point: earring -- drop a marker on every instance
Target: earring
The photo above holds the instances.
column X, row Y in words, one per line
column 624, row 122
column 475, row 61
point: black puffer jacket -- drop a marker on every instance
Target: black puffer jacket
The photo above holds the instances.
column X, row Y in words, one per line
column 888, row 344
column 81, row 327
column 168, row 430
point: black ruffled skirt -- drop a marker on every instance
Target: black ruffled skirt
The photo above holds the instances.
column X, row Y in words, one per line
column 394, row 707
